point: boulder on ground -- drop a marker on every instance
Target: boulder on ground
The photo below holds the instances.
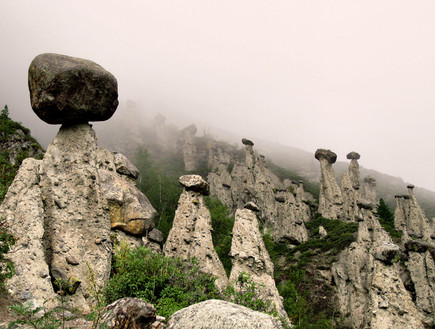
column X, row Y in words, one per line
column 221, row 314
column 130, row 313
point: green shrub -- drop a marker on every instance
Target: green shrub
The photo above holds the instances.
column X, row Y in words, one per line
column 222, row 224
column 162, row 190
column 6, row 241
column 244, row 292
column 169, row 284
column 386, row 219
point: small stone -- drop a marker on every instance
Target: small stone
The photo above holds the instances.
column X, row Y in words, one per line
column 98, row 241
column 322, row 231
column 124, row 166
column 195, row 183
column 353, row 156
column 247, row 142
column 251, row 206
column 71, row 260
column 155, row 235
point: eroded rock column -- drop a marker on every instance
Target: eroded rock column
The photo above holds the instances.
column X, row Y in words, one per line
column 330, row 199
column 190, row 235
column 250, row 255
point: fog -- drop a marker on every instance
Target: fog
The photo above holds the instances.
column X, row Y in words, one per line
column 343, row 75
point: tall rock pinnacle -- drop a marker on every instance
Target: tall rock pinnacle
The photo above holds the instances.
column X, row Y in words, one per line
column 61, row 207
column 190, row 235
column 330, row 199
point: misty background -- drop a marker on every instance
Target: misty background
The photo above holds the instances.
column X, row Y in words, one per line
column 343, row 75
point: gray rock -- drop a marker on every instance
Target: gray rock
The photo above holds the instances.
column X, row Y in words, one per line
column 124, row 166
column 353, row 156
column 190, row 236
column 249, row 255
column 129, row 313
column 72, row 260
column 221, row 314
column 251, row 206
column 327, row 155
column 155, row 235
column 247, row 142
column 195, row 183
column 66, row 89
column 322, row 231
column 386, row 252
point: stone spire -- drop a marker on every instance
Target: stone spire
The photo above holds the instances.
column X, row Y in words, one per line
column 190, row 235
column 330, row 199
column 249, row 254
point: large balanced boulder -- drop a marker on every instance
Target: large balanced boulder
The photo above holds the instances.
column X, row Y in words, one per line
column 216, row 314
column 66, row 89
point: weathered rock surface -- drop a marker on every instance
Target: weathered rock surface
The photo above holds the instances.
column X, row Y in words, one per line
column 190, row 235
column 282, row 210
column 330, row 199
column 195, row 183
column 370, row 291
column 66, row 89
column 249, row 255
column 131, row 313
column 411, row 220
column 216, row 314
column 60, row 207
column 129, row 208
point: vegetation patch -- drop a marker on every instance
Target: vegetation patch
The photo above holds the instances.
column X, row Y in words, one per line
column 222, row 223
column 386, row 219
column 162, row 189
column 308, row 298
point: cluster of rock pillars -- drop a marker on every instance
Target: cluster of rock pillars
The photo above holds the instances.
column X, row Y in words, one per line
column 66, row 208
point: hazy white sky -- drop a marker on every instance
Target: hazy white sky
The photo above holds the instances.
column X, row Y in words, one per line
column 344, row 75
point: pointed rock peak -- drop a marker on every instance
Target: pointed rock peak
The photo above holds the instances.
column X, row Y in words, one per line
column 195, row 183
column 353, row 156
column 327, row 155
column 251, row 206
column 66, row 89
column 247, row 142
column 370, row 180
column 191, row 129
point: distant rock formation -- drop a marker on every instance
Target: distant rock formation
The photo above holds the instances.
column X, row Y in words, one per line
column 189, row 148
column 60, row 208
column 282, row 209
column 190, row 235
column 249, row 255
column 220, row 314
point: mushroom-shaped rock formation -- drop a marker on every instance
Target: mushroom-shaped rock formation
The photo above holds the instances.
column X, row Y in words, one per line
column 190, row 235
column 330, row 198
column 353, row 156
column 59, row 206
column 66, row 89
column 327, row 155
column 195, row 183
